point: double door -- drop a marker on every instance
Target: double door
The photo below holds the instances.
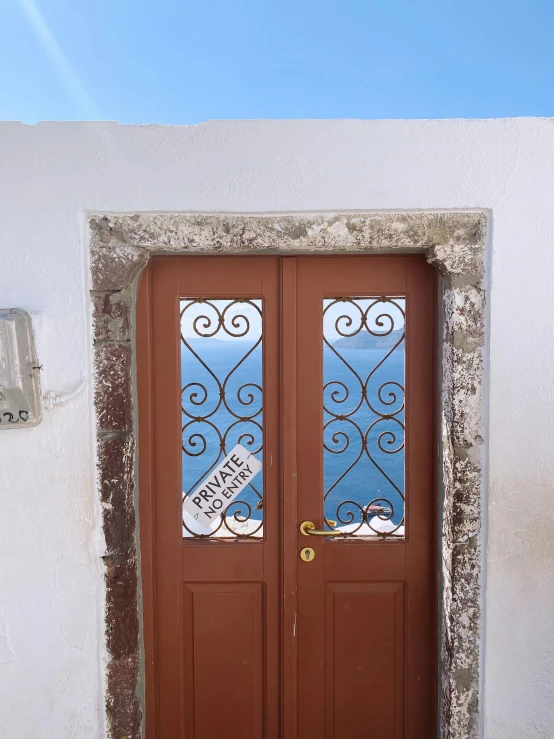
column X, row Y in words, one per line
column 287, row 476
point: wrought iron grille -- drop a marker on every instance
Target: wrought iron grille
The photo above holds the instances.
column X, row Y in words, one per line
column 363, row 404
column 221, row 369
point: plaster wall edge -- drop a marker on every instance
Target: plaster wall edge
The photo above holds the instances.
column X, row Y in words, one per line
column 477, row 210
column 485, row 410
column 97, row 544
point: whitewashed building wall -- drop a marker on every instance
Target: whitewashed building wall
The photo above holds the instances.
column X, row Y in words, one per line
column 51, row 582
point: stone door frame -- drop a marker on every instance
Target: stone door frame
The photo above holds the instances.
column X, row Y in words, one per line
column 454, row 243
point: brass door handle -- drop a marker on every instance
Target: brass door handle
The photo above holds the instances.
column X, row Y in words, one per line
column 307, row 528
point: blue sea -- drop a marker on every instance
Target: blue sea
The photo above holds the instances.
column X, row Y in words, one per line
column 379, row 479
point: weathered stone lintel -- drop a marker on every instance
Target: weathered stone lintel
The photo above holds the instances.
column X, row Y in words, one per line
column 460, row 267
column 115, row 269
column 297, row 232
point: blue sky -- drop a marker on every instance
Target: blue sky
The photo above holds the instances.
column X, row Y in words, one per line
column 176, row 61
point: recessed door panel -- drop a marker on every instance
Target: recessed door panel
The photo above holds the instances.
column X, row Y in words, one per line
column 364, row 658
column 223, row 660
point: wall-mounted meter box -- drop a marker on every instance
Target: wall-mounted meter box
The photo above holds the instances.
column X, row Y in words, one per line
column 20, row 393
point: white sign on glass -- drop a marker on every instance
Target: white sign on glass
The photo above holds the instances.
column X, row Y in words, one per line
column 223, row 485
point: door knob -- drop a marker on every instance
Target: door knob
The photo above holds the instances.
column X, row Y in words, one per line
column 307, row 528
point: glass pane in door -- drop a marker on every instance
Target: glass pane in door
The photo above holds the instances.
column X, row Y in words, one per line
column 221, row 379
column 363, row 415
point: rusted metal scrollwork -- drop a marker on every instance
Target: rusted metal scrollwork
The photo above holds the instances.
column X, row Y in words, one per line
column 226, row 415
column 372, row 422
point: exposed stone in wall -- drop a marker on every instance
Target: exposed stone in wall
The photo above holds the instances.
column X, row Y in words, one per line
column 112, row 270
column 110, row 316
column 122, row 702
column 454, row 244
column 462, row 269
column 112, row 390
column 460, row 263
column 460, row 640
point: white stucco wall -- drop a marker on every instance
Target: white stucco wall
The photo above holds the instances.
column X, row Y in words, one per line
column 50, row 573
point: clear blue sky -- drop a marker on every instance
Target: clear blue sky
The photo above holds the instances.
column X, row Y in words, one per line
column 177, row 61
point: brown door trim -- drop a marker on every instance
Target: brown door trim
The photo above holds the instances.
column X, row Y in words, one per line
column 164, row 272
column 146, row 501
column 289, row 488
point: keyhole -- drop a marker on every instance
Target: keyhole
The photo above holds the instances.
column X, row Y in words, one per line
column 308, row 555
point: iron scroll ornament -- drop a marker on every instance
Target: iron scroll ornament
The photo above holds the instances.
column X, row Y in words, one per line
column 362, row 419
column 218, row 414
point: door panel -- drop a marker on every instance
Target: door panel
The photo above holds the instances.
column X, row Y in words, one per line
column 364, row 671
column 375, row 560
column 223, row 660
column 203, row 582
column 243, row 638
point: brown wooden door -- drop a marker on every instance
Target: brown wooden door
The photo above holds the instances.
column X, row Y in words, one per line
column 365, row 604
column 299, row 363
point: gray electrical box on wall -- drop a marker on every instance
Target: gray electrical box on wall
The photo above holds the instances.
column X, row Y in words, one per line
column 20, row 393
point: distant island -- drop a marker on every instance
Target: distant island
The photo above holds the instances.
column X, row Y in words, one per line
column 365, row 340
column 205, row 341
